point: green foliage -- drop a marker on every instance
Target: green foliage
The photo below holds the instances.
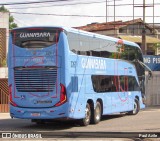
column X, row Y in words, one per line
column 157, row 45
column 11, row 19
column 3, row 63
column 12, row 24
column 3, row 9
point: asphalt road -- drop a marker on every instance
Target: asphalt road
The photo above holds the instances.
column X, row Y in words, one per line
column 145, row 124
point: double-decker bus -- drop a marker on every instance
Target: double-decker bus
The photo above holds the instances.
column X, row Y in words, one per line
column 59, row 72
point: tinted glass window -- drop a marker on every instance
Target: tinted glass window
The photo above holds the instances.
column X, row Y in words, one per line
column 131, row 53
column 91, row 46
column 102, row 83
column 35, row 38
column 108, row 83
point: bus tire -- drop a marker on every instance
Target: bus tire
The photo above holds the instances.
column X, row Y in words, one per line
column 96, row 116
column 136, row 108
column 87, row 119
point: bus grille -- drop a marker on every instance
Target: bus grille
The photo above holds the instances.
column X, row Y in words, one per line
column 35, row 79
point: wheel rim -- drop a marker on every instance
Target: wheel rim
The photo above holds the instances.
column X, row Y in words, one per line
column 87, row 114
column 97, row 113
column 135, row 107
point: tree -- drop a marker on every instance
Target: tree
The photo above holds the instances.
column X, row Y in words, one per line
column 12, row 24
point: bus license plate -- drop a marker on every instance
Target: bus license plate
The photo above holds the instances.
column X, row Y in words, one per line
column 35, row 114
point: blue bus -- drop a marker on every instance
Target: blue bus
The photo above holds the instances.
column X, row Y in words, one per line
column 65, row 73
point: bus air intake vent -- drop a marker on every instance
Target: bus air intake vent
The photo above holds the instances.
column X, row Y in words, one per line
column 35, row 79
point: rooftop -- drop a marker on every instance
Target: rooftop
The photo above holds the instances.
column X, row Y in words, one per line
column 110, row 25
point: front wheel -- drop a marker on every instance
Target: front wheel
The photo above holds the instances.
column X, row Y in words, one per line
column 136, row 108
column 86, row 120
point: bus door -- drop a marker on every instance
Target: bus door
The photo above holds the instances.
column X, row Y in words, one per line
column 36, row 66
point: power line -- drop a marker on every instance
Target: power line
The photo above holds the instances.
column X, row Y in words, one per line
column 92, row 2
column 21, row 22
column 137, row 5
column 33, row 2
column 67, row 4
column 84, row 3
column 39, row 2
column 64, row 4
column 65, row 15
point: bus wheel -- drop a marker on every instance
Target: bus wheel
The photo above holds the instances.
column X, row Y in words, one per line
column 86, row 120
column 97, row 113
column 136, row 108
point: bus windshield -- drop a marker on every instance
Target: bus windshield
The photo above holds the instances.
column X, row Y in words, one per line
column 35, row 38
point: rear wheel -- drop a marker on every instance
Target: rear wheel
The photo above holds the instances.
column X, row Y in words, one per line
column 136, row 108
column 97, row 113
column 86, row 120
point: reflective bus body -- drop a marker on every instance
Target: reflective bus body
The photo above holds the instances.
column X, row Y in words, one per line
column 57, row 72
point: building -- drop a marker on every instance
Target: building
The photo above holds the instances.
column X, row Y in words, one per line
column 4, row 34
column 128, row 30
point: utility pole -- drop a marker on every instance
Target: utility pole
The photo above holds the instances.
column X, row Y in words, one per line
column 106, row 11
column 153, row 16
column 143, row 45
column 114, row 17
column 114, row 10
column 133, row 17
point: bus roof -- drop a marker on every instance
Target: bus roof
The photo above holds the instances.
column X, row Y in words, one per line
column 99, row 36
column 91, row 34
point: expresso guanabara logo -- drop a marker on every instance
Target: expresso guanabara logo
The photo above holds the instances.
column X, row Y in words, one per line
column 90, row 63
column 34, row 35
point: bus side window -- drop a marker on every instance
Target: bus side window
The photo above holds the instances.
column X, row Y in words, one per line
column 133, row 85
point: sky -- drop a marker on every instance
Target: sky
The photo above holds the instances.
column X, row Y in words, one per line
column 93, row 8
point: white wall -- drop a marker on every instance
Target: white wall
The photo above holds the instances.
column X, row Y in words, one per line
column 3, row 72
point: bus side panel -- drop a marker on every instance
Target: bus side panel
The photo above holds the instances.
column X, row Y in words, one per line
column 130, row 101
column 77, row 100
column 74, row 82
column 91, row 94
